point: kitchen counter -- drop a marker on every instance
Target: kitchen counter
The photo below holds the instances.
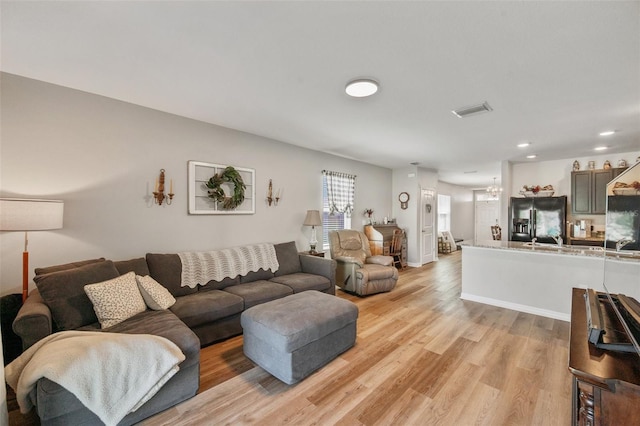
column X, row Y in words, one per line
column 568, row 250
column 539, row 279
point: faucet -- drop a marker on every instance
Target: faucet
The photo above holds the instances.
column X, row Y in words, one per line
column 623, row 242
column 533, row 242
column 557, row 239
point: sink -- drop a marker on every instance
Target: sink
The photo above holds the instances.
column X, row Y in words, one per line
column 540, row 245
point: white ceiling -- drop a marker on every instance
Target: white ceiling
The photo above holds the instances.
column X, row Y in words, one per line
column 555, row 73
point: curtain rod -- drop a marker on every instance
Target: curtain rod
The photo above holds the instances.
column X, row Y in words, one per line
column 329, row 172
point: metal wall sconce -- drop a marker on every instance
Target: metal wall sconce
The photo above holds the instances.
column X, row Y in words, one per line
column 270, row 198
column 158, row 193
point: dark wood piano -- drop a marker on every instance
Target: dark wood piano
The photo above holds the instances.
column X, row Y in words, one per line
column 606, row 383
column 380, row 237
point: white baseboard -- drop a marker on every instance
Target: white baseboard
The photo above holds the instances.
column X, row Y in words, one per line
column 517, row 307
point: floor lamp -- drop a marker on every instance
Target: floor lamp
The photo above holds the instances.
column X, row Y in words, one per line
column 29, row 215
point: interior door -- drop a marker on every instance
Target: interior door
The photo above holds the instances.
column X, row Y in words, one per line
column 487, row 215
column 427, row 221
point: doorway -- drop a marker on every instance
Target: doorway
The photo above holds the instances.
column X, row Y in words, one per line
column 487, row 212
column 427, row 217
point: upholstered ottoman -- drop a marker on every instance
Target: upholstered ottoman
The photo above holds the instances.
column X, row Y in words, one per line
column 294, row 336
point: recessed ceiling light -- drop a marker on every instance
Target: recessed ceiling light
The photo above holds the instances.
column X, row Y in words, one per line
column 361, row 88
column 607, row 133
column 531, row 156
column 600, row 148
column 470, row 172
column 524, row 144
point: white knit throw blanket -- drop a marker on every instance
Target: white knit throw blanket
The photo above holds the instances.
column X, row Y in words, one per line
column 112, row 374
column 202, row 267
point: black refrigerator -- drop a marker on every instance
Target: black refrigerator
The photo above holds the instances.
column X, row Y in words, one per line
column 537, row 217
column 623, row 222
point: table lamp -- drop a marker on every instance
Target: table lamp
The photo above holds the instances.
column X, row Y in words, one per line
column 29, row 215
column 313, row 220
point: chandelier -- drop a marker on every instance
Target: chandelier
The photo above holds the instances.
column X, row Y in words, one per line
column 494, row 190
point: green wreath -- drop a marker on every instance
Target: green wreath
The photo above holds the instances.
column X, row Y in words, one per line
column 230, row 175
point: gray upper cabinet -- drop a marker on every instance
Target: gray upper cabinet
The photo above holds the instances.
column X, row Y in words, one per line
column 589, row 190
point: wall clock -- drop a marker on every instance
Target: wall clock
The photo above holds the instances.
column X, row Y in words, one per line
column 404, row 200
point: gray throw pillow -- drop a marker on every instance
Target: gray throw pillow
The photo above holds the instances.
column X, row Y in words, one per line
column 63, row 292
column 288, row 258
column 138, row 265
column 66, row 266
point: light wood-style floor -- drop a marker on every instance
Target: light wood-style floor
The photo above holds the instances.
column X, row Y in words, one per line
column 422, row 357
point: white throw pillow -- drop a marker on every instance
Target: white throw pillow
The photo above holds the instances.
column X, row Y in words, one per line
column 155, row 294
column 116, row 300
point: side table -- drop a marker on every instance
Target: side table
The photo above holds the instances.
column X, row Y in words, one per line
column 317, row 254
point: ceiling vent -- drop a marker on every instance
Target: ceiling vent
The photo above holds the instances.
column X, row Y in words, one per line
column 472, row 110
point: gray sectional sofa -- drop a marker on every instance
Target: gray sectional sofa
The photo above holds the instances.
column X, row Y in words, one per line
column 200, row 316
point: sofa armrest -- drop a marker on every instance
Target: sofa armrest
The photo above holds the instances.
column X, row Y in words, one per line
column 319, row 266
column 380, row 260
column 33, row 321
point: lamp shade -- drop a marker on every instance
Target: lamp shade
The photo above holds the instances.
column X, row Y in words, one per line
column 30, row 215
column 313, row 218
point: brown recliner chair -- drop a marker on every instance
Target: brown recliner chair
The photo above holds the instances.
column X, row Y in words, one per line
column 358, row 272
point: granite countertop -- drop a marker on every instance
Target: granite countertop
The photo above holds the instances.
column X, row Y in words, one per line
column 566, row 250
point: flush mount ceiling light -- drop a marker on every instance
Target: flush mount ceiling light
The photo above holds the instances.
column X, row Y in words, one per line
column 607, row 133
column 524, row 144
column 531, row 156
column 600, row 148
column 361, row 87
column 472, row 110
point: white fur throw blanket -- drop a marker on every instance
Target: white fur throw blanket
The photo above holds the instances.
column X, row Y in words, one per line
column 111, row 374
column 202, row 267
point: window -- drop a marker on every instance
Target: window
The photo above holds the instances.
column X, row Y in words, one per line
column 444, row 213
column 338, row 190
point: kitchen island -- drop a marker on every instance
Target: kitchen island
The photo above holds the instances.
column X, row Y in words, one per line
column 539, row 278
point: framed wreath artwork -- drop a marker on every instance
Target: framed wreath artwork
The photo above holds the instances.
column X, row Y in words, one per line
column 221, row 189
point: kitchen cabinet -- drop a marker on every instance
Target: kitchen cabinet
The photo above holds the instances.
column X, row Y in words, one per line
column 589, row 190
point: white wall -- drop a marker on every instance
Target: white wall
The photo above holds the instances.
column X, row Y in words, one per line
column 406, row 180
column 462, row 210
column 102, row 156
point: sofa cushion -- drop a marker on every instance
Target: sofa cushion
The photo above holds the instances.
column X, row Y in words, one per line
column 219, row 285
column 288, row 258
column 260, row 274
column 154, row 294
column 66, row 266
column 116, row 300
column 206, row 306
column 167, row 270
column 303, row 282
column 63, row 292
column 138, row 265
column 165, row 324
column 257, row 292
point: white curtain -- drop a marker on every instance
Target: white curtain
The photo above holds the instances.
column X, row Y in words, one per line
column 341, row 189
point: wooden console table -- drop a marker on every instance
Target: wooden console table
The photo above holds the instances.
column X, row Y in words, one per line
column 606, row 384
